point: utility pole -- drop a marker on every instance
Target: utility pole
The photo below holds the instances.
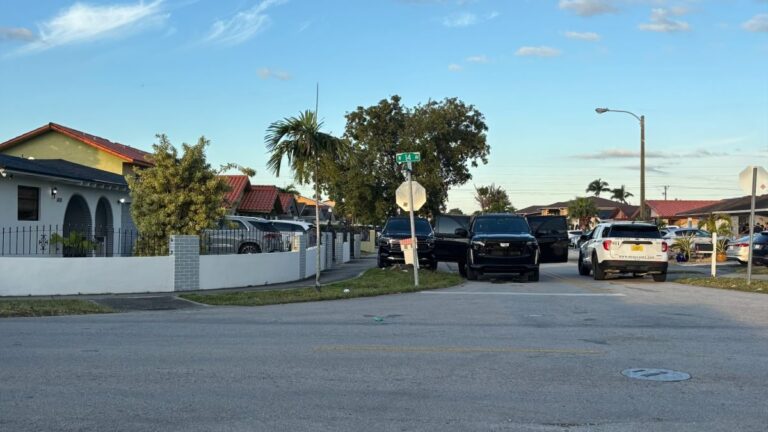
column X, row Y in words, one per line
column 642, row 167
column 665, row 191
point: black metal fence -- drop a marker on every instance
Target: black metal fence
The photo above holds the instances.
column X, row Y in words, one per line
column 242, row 241
column 77, row 241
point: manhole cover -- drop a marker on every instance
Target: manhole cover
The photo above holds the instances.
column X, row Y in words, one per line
column 651, row 374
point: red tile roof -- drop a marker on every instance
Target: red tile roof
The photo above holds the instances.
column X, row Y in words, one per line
column 674, row 207
column 260, row 199
column 238, row 184
column 122, row 151
column 285, row 201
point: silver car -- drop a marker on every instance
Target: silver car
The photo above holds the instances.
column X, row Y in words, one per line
column 241, row 235
column 738, row 250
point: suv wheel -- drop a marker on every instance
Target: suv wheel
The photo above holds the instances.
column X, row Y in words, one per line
column 462, row 268
column 583, row 269
column 471, row 274
column 660, row 277
column 249, row 248
column 432, row 265
column 598, row 272
column 380, row 263
column 533, row 276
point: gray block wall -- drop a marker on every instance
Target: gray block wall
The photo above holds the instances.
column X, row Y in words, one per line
column 300, row 245
column 358, row 242
column 339, row 259
column 185, row 250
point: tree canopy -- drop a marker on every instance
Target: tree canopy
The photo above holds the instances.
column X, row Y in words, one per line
column 450, row 135
column 178, row 195
column 620, row 194
column 493, row 199
column 583, row 209
column 598, row 186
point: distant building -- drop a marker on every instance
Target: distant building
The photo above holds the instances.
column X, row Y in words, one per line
column 606, row 210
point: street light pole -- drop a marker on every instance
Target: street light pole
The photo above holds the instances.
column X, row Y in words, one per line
column 641, row 119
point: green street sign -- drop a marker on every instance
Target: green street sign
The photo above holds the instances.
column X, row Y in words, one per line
column 408, row 157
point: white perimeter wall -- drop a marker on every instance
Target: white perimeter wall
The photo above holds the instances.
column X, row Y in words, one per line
column 21, row 276
column 345, row 253
column 233, row 271
column 312, row 261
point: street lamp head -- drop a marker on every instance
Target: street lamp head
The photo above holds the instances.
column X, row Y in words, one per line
column 601, row 110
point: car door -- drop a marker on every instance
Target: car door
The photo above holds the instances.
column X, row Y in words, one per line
column 552, row 234
column 589, row 246
column 448, row 245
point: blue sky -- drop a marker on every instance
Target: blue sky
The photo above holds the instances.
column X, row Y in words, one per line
column 537, row 69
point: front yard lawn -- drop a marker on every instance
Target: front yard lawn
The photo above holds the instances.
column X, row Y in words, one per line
column 737, row 284
column 373, row 282
column 37, row 308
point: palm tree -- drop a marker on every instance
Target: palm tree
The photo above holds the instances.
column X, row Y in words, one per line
column 620, row 194
column 597, row 187
column 583, row 209
column 300, row 141
column 290, row 189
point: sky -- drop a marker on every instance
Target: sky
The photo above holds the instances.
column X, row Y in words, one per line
column 537, row 69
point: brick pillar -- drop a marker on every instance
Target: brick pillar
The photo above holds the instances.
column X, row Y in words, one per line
column 300, row 245
column 358, row 240
column 185, row 250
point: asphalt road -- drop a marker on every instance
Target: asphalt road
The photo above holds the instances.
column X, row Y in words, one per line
column 490, row 355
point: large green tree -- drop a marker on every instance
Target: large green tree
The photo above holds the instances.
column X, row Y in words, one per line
column 306, row 148
column 493, row 199
column 180, row 194
column 450, row 135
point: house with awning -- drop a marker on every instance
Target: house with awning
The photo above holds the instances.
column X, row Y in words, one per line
column 737, row 209
column 268, row 201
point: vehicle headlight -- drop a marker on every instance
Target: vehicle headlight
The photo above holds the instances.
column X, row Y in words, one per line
column 759, row 246
column 383, row 241
column 532, row 244
column 477, row 244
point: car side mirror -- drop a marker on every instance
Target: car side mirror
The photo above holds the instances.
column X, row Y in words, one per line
column 461, row 232
column 583, row 237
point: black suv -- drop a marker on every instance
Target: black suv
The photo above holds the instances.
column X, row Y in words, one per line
column 501, row 243
column 398, row 228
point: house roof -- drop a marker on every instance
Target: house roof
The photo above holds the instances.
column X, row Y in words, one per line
column 600, row 203
column 531, row 210
column 309, row 201
column 285, row 200
column 238, row 185
column 260, row 199
column 62, row 169
column 122, row 151
column 672, row 208
column 734, row 205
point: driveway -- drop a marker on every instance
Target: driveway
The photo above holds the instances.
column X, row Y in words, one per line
column 489, row 355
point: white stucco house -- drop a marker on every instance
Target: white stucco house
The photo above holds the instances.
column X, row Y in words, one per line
column 42, row 197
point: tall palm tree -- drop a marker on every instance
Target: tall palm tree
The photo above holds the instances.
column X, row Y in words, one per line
column 583, row 209
column 597, row 187
column 290, row 189
column 620, row 194
column 299, row 140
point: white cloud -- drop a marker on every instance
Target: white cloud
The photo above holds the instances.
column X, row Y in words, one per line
column 541, row 51
column 758, row 23
column 82, row 22
column 587, row 7
column 463, row 19
column 267, row 73
column 661, row 22
column 16, row 34
column 585, row 36
column 477, row 59
column 243, row 25
column 453, row 67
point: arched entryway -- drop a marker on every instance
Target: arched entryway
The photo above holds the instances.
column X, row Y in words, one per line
column 77, row 227
column 103, row 228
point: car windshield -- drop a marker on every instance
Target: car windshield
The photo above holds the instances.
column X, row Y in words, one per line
column 633, row 231
column 501, row 225
column 400, row 226
column 264, row 226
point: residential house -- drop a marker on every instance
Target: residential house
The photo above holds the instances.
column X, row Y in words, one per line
column 607, row 210
column 267, row 201
column 54, row 141
column 306, row 208
column 45, row 196
column 670, row 211
column 737, row 209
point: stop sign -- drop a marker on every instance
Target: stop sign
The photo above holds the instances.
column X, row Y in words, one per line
column 419, row 196
column 745, row 180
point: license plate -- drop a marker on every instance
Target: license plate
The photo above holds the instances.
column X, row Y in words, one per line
column 637, row 248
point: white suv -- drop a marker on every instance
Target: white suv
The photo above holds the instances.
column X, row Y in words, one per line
column 626, row 247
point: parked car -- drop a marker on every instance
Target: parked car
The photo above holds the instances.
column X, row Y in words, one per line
column 702, row 240
column 290, row 228
column 624, row 247
column 242, row 235
column 739, row 250
column 398, row 228
column 501, row 243
column 573, row 237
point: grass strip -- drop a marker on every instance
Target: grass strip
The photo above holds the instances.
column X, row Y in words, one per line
column 756, row 270
column 38, row 308
column 736, row 284
column 373, row 282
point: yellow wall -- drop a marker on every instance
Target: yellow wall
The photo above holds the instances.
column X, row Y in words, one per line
column 53, row 145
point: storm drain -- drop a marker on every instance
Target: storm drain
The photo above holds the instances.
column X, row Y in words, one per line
column 650, row 374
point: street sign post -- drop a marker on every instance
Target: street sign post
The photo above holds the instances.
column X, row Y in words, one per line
column 750, row 180
column 409, row 158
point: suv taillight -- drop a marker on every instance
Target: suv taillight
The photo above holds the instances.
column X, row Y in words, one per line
column 664, row 246
column 607, row 244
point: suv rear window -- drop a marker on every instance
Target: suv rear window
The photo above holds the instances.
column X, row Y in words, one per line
column 633, row 231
